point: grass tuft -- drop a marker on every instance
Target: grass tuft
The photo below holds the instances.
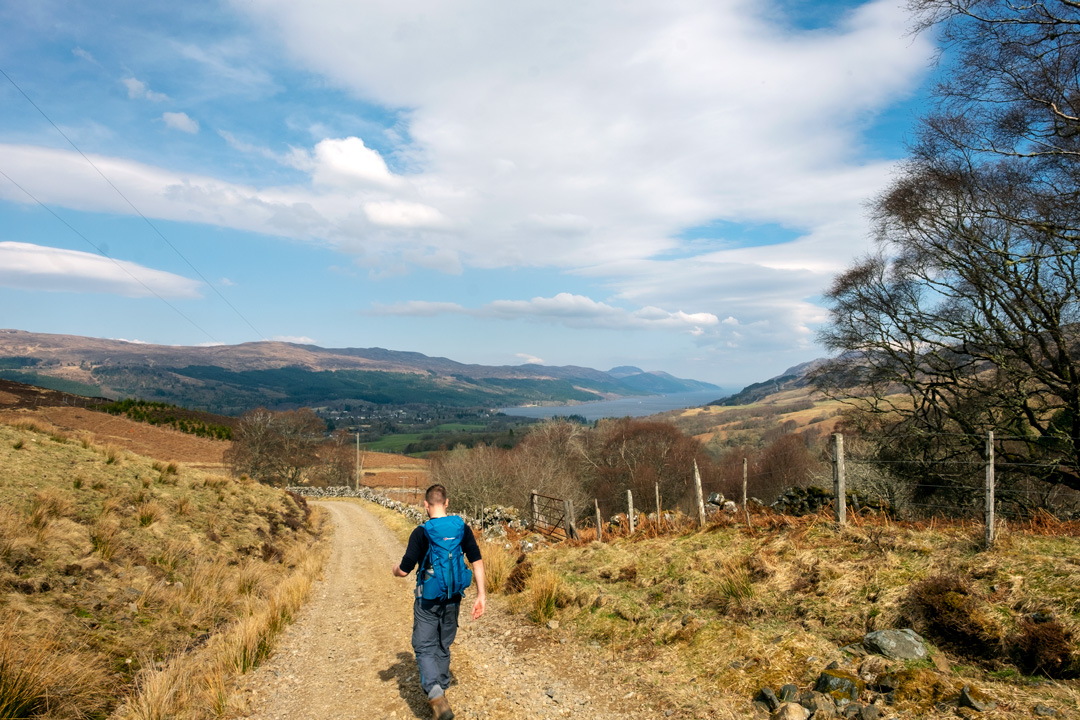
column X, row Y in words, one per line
column 544, row 592
column 498, row 562
column 38, row 681
column 149, row 512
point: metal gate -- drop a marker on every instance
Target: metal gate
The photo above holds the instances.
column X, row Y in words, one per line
column 552, row 516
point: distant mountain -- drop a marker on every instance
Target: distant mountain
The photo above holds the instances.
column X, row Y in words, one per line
column 230, row 379
column 624, row 371
column 793, row 378
column 660, row 383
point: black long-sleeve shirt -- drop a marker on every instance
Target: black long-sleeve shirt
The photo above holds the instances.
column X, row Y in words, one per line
column 417, row 548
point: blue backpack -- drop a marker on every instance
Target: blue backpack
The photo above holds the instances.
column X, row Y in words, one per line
column 443, row 575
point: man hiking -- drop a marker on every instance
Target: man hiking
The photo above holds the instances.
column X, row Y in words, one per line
column 441, row 580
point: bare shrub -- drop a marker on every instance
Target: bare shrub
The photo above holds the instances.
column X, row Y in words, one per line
column 950, row 613
column 1045, row 648
column 518, row 577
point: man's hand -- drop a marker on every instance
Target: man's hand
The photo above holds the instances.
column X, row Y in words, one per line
column 397, row 571
column 481, row 590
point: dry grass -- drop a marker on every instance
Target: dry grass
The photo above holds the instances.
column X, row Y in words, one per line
column 149, row 512
column 777, row 603
column 498, row 562
column 542, row 596
column 166, row 581
column 112, row 454
column 38, row 679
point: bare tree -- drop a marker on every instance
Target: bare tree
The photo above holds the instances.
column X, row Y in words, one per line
column 966, row 319
column 276, row 448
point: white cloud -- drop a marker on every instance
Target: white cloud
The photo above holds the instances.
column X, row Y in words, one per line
column 180, row 121
column 529, row 359
column 348, row 161
column 403, row 214
column 295, row 339
column 36, row 267
column 568, row 309
column 138, row 90
column 80, row 53
column 568, row 136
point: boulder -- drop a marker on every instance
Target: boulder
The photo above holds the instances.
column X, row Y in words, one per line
column 789, row 693
column 820, row 705
column 730, row 507
column 839, row 685
column 896, row 644
column 977, row 701
column 767, row 696
column 716, row 499
column 869, row 712
column 791, row 711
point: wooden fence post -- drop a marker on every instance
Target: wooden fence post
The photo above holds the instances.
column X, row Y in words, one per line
column 744, row 483
column 659, row 514
column 745, row 507
column 990, row 490
column 698, row 497
column 630, row 510
column 839, row 480
column 571, row 521
column 599, row 532
column 535, row 509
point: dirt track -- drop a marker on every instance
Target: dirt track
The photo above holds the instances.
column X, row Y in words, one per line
column 348, row 655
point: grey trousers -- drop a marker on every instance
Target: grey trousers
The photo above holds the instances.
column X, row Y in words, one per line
column 435, row 626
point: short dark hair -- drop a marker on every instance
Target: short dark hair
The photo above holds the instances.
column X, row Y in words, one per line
column 435, row 495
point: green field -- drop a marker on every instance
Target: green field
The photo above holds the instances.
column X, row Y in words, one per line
column 394, row 443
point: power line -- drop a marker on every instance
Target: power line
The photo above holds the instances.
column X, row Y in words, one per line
column 132, row 205
column 106, row 255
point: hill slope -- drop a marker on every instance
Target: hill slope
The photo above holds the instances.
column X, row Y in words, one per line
column 123, row 579
column 231, row 378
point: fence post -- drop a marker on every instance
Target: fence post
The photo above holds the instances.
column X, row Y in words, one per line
column 630, row 510
column 535, row 509
column 698, row 497
column 571, row 522
column 990, row 489
column 839, row 480
column 745, row 507
column 744, row 483
column 659, row 515
column 599, row 532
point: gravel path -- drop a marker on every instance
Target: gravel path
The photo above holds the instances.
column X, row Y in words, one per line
column 348, row 655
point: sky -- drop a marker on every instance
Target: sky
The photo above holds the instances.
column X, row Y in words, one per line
column 670, row 184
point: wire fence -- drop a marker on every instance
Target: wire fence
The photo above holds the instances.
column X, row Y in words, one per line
column 973, row 490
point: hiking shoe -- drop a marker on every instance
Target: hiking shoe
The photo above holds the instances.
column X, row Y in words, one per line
column 440, row 709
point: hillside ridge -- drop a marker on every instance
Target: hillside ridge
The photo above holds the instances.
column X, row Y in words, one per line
column 231, row 378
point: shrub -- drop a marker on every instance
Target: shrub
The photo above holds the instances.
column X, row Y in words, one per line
column 1045, row 649
column 950, row 613
column 518, row 577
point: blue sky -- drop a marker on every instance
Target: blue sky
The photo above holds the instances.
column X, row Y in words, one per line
column 663, row 184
